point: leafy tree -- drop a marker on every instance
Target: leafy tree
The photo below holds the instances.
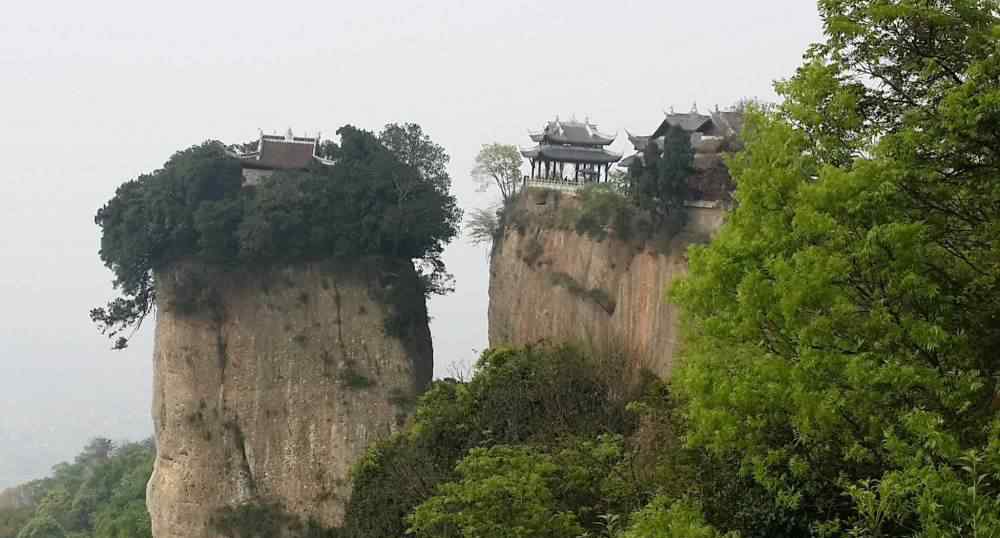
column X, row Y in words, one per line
column 42, row 527
column 102, row 494
column 521, row 491
column 533, row 395
column 415, row 149
column 499, row 165
column 842, row 328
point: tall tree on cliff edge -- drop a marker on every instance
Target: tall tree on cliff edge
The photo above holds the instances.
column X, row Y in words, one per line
column 843, row 328
column 499, row 165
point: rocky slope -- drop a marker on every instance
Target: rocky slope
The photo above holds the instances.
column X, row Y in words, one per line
column 269, row 386
column 548, row 282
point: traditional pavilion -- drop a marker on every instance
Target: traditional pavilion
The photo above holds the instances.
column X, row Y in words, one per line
column 578, row 144
column 280, row 152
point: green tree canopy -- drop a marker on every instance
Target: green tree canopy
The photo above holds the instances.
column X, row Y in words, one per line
column 843, row 326
column 385, row 196
column 102, row 494
column 522, row 492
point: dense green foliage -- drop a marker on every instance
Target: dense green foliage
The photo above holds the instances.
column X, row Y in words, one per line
column 546, row 441
column 102, row 494
column 385, row 196
column 844, row 329
column 535, row 397
column 526, row 492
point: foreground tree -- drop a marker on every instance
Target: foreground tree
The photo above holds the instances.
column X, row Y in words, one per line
column 523, row 492
column 843, row 327
column 499, row 165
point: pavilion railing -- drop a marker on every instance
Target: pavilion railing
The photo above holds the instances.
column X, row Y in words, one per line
column 554, row 184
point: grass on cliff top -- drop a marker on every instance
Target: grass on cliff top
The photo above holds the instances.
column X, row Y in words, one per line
column 597, row 211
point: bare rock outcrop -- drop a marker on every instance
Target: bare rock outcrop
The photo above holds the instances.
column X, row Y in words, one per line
column 548, row 282
column 270, row 385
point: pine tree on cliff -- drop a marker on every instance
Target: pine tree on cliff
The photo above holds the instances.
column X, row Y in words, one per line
column 659, row 179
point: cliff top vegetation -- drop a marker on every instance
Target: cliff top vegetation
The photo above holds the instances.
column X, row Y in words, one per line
column 386, row 196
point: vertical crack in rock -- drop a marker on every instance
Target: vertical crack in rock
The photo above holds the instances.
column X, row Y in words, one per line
column 220, row 349
column 337, row 300
column 246, row 484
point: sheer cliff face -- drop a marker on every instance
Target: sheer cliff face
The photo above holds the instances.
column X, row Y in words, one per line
column 269, row 387
column 549, row 283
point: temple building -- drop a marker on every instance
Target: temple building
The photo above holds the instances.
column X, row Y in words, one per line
column 712, row 136
column 279, row 152
column 577, row 144
column 708, row 132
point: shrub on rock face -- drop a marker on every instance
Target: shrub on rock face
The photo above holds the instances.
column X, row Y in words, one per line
column 385, row 196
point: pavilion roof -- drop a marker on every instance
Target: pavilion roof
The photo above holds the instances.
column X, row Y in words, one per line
column 690, row 122
column 638, row 142
column 572, row 132
column 571, row 154
column 728, row 122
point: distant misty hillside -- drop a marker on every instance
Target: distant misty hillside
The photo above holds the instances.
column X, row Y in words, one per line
column 41, row 428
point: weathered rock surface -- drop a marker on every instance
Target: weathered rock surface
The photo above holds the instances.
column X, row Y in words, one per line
column 550, row 283
column 268, row 387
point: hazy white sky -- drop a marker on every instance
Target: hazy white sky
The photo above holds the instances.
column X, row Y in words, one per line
column 94, row 93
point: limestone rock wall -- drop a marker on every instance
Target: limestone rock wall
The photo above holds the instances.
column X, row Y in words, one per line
column 268, row 387
column 551, row 283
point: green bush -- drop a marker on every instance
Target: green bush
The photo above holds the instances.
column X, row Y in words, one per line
column 599, row 296
column 353, row 379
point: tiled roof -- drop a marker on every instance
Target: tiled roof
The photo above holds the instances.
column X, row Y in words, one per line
column 572, row 154
column 281, row 153
column 573, row 133
column 690, row 122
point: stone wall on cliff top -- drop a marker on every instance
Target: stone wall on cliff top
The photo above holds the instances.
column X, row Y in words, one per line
column 548, row 282
column 269, row 386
